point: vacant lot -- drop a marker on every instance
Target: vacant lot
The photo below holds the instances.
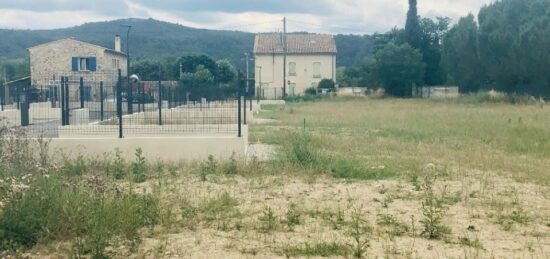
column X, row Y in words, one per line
column 351, row 178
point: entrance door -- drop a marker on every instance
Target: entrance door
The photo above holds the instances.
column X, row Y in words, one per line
column 293, row 89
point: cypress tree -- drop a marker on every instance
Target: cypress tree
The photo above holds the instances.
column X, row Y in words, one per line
column 412, row 27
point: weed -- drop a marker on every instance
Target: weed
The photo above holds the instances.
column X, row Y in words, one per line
column 268, row 220
column 360, row 232
column 119, row 168
column 189, row 215
column 349, row 169
column 231, row 167
column 75, row 167
column 465, row 241
column 299, row 151
column 337, row 221
column 52, row 211
column 320, row 249
column 433, row 212
column 220, row 210
column 293, row 217
column 390, row 225
column 139, row 167
column 517, row 216
column 210, row 166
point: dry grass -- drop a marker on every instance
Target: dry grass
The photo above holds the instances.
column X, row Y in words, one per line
column 354, row 185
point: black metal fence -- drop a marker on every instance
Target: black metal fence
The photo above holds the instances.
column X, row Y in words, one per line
column 108, row 104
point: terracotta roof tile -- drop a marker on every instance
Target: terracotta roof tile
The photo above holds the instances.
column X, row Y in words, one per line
column 270, row 43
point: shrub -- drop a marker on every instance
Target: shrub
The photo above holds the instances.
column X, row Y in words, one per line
column 139, row 167
column 311, row 91
column 51, row 210
column 327, row 84
column 379, row 93
column 298, row 150
column 433, row 211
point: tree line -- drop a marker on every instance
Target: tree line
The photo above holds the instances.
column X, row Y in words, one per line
column 198, row 76
column 506, row 49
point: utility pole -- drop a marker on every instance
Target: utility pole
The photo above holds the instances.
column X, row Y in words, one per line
column 129, row 88
column 247, row 73
column 284, row 57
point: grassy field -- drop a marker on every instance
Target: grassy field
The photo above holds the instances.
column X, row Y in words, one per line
column 352, row 177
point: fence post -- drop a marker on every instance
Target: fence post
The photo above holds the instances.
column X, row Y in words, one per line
column 102, row 99
column 24, row 107
column 129, row 96
column 67, row 101
column 81, row 90
column 119, row 103
column 244, row 110
column 2, row 96
column 63, row 122
column 250, row 100
column 160, row 100
column 239, row 113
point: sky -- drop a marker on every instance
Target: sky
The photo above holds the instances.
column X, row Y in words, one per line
column 322, row 16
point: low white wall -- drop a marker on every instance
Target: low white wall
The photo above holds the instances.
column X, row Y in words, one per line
column 11, row 117
column 170, row 148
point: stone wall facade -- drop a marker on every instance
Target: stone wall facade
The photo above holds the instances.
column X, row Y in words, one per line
column 50, row 61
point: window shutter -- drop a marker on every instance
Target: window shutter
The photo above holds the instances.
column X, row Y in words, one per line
column 92, row 63
column 75, row 64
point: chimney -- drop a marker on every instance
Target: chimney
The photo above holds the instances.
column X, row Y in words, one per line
column 117, row 43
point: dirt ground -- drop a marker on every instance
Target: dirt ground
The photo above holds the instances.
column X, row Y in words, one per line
column 473, row 215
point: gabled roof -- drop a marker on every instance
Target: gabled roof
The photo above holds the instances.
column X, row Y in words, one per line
column 79, row 41
column 272, row 43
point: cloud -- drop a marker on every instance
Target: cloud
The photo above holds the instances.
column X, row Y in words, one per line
column 330, row 16
column 105, row 7
column 319, row 7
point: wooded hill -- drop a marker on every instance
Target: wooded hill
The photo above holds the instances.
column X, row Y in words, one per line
column 154, row 40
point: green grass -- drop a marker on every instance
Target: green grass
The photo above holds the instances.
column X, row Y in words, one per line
column 353, row 135
column 51, row 211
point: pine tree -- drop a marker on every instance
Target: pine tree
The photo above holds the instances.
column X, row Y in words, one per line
column 412, row 28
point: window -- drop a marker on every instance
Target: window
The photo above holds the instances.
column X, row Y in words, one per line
column 292, row 69
column 83, row 64
column 116, row 63
column 317, row 70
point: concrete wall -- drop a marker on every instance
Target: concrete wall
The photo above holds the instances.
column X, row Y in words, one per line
column 437, row 92
column 55, row 59
column 351, row 91
column 272, row 73
column 172, row 148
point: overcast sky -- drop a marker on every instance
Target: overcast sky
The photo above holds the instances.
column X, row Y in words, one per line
column 330, row 16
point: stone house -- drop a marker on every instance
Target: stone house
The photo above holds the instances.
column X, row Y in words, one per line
column 309, row 59
column 75, row 58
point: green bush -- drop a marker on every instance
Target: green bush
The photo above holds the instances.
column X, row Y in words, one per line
column 327, row 84
column 53, row 210
column 298, row 151
column 311, row 91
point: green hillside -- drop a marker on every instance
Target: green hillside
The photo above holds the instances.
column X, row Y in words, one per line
column 152, row 39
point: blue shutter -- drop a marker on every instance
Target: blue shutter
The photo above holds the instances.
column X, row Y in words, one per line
column 75, row 64
column 92, row 63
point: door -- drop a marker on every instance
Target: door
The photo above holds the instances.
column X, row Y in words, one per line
column 293, row 89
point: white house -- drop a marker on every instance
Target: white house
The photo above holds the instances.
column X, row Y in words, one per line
column 309, row 59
